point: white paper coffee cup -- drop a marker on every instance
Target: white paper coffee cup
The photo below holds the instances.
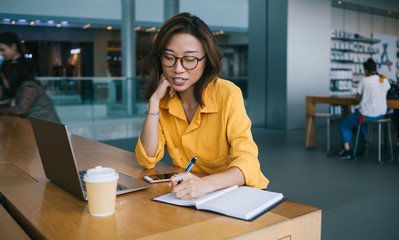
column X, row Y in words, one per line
column 101, row 190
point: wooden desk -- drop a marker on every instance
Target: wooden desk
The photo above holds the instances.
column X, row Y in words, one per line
column 345, row 101
column 9, row 229
column 10, row 175
column 46, row 211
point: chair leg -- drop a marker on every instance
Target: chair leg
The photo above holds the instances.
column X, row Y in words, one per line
column 368, row 137
column 308, row 133
column 379, row 143
column 390, row 141
column 328, row 134
column 356, row 141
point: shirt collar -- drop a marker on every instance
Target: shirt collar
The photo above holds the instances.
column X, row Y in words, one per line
column 175, row 108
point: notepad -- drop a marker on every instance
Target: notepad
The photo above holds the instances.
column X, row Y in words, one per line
column 245, row 203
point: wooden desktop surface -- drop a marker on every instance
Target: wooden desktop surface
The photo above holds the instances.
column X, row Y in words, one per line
column 46, row 211
column 345, row 101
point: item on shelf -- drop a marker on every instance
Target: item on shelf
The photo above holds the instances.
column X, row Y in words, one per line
column 348, row 53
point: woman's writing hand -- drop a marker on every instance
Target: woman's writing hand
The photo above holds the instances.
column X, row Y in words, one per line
column 190, row 186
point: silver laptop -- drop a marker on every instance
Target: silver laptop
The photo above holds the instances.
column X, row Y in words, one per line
column 59, row 162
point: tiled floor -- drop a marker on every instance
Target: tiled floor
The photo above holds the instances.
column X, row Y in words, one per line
column 359, row 199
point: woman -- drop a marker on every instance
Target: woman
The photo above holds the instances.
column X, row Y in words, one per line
column 371, row 94
column 196, row 114
column 24, row 96
column 11, row 50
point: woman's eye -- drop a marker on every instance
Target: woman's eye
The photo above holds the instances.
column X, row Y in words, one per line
column 189, row 59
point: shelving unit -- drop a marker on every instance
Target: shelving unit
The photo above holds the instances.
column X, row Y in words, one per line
column 348, row 52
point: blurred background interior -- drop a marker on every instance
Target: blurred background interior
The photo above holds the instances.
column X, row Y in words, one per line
column 90, row 57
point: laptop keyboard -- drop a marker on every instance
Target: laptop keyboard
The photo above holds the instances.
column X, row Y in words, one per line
column 119, row 187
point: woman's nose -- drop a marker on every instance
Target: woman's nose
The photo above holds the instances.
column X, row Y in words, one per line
column 179, row 66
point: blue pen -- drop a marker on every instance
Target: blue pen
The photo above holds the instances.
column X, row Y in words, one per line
column 190, row 165
column 188, row 168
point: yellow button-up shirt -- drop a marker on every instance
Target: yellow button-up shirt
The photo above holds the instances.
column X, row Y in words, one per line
column 219, row 135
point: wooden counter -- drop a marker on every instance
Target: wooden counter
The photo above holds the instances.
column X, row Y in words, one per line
column 46, row 211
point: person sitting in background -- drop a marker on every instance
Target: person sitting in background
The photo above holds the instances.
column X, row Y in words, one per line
column 371, row 93
column 11, row 50
column 193, row 112
column 24, row 96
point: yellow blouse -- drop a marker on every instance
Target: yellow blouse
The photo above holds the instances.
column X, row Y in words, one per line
column 219, row 135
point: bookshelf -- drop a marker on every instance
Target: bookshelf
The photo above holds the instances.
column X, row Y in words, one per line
column 348, row 52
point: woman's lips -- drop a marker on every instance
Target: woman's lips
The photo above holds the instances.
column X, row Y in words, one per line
column 179, row 81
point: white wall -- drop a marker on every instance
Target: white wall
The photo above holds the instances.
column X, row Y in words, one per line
column 308, row 55
column 363, row 23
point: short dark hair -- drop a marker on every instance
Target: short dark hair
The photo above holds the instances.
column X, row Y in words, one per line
column 370, row 66
column 184, row 23
column 10, row 38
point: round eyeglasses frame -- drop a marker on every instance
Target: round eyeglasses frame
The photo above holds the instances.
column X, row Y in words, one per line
column 181, row 60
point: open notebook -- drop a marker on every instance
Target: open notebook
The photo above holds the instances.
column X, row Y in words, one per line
column 239, row 202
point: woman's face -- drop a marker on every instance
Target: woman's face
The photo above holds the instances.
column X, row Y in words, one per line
column 181, row 45
column 9, row 52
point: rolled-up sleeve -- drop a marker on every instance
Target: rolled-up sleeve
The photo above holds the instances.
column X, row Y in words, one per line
column 243, row 150
column 141, row 155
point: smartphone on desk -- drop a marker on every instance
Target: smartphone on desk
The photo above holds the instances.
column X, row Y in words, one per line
column 156, row 178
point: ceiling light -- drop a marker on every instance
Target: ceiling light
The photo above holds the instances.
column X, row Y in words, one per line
column 109, row 28
column 151, row 29
column 75, row 51
column 13, row 22
column 32, row 23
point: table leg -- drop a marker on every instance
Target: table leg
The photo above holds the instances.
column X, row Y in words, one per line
column 310, row 110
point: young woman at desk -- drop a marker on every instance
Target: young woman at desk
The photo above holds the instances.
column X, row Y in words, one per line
column 194, row 113
column 23, row 95
column 371, row 94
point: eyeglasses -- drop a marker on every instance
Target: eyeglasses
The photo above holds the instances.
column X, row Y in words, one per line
column 188, row 62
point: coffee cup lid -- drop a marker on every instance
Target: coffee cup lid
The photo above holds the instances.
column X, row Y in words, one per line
column 100, row 174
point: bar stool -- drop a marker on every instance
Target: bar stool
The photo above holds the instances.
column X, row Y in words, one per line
column 328, row 117
column 387, row 122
